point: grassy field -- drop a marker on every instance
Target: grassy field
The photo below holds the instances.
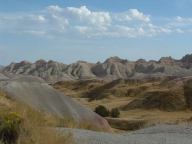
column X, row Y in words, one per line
column 169, row 107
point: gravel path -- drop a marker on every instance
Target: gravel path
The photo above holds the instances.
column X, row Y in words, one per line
column 162, row 134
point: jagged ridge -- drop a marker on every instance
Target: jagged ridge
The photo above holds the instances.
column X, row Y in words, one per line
column 111, row 69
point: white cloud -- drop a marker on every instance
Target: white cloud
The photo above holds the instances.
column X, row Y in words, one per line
column 135, row 14
column 84, row 15
column 81, row 21
column 132, row 15
column 41, row 18
column 54, row 8
column 180, row 24
column 82, row 29
column 182, row 21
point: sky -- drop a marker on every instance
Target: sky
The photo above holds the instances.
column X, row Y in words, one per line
column 93, row 30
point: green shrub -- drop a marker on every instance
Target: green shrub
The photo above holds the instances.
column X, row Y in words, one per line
column 9, row 128
column 115, row 113
column 102, row 111
column 188, row 93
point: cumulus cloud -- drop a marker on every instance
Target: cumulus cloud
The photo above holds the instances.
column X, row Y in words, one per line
column 132, row 15
column 83, row 14
column 181, row 21
column 54, row 8
column 81, row 21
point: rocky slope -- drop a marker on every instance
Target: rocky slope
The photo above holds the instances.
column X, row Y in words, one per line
column 39, row 95
column 113, row 68
column 3, row 77
column 161, row 134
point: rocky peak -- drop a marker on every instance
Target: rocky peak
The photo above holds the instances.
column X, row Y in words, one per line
column 51, row 61
column 167, row 60
column 81, row 62
column 115, row 59
column 24, row 62
column 54, row 63
column 141, row 61
column 187, row 59
column 41, row 61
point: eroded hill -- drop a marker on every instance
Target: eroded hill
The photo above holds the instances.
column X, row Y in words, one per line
column 111, row 69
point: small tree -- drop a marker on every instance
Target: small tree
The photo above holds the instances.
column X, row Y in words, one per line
column 115, row 113
column 102, row 111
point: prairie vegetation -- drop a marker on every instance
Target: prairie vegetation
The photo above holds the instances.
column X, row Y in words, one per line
column 156, row 100
column 20, row 124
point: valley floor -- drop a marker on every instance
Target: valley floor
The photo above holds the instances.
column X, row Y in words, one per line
column 164, row 100
column 137, row 118
column 161, row 134
column 153, row 116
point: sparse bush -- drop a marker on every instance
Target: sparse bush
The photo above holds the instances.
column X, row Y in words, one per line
column 102, row 111
column 115, row 113
column 9, row 128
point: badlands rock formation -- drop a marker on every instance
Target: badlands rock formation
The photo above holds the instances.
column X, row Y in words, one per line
column 113, row 68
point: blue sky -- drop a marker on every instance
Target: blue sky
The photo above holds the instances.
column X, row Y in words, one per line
column 93, row 30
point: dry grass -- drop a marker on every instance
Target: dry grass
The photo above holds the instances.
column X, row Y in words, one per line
column 78, row 88
column 36, row 127
column 156, row 116
column 124, row 124
column 139, row 118
column 121, row 92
